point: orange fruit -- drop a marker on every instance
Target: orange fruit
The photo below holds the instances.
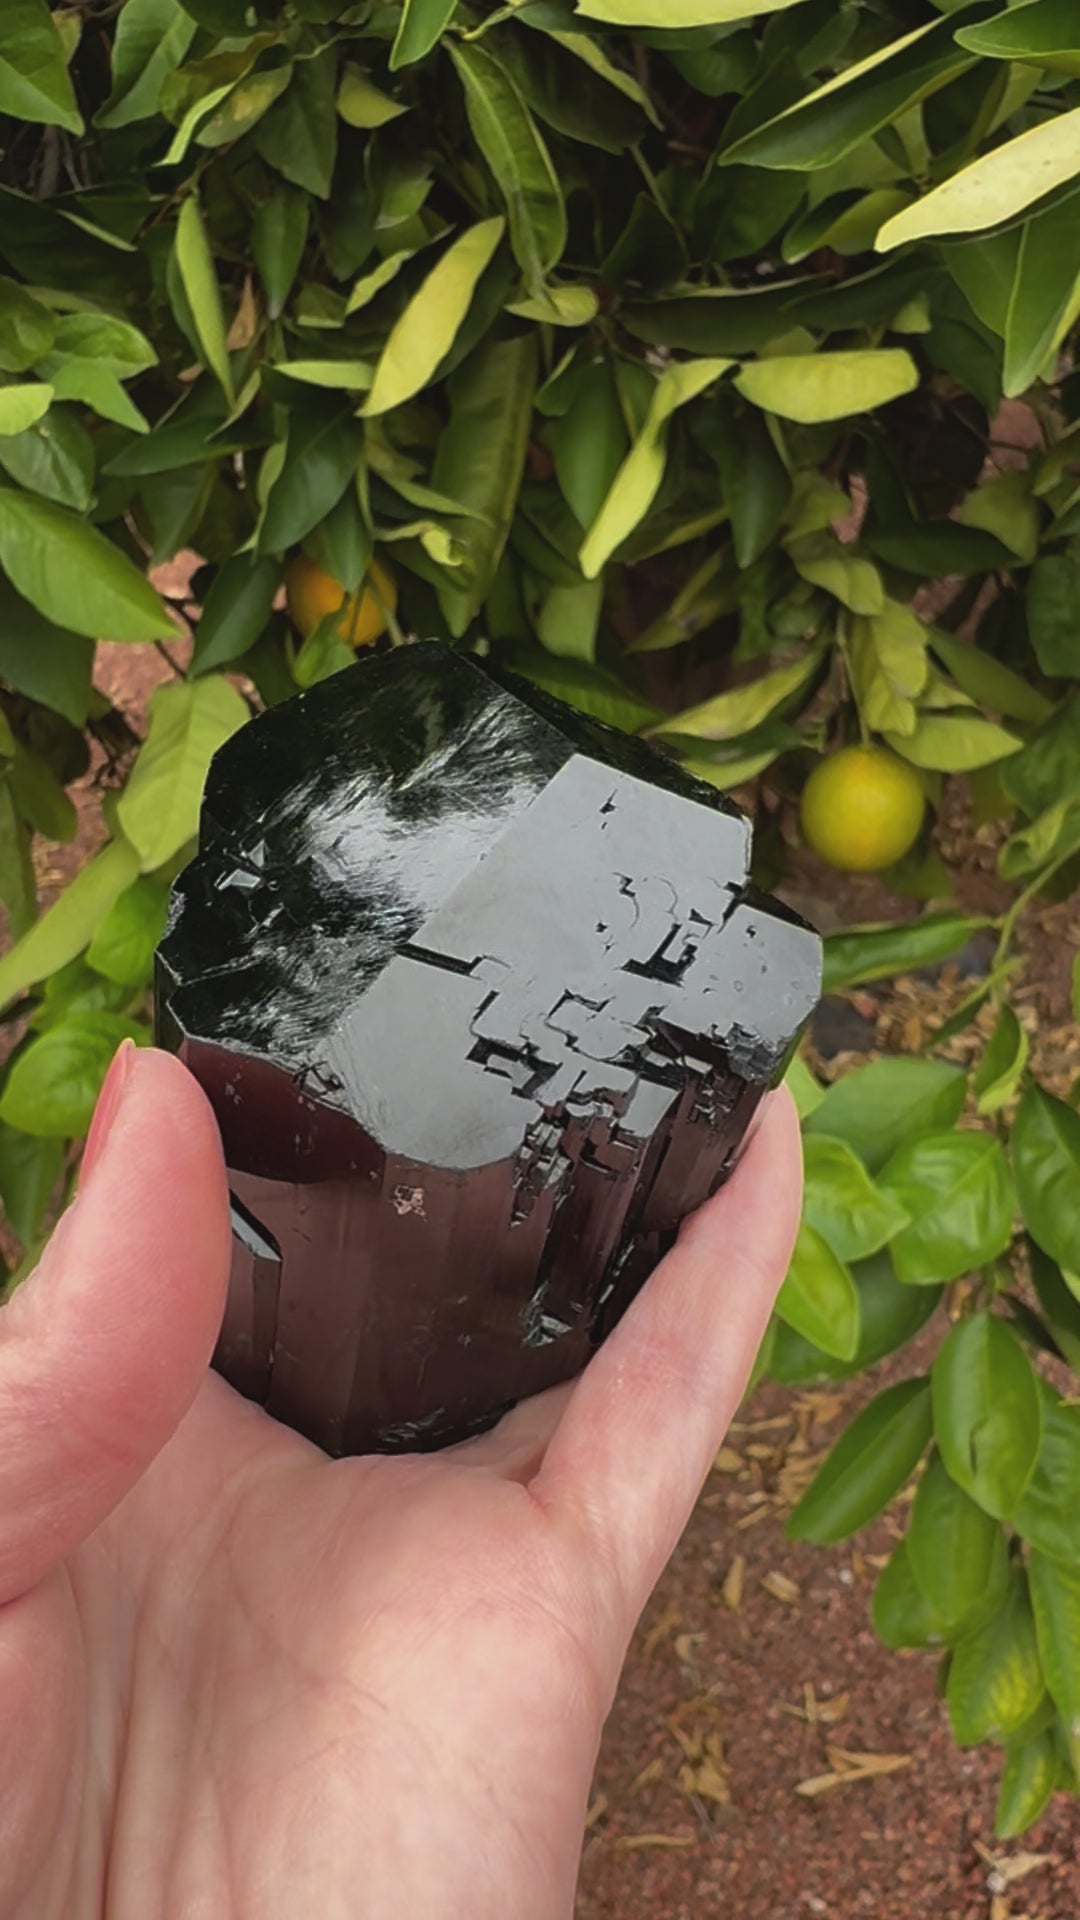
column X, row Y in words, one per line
column 311, row 595
column 862, row 809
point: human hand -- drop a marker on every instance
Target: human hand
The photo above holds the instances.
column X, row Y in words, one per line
column 239, row 1681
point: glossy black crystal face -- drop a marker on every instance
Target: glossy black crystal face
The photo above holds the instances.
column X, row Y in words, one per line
column 484, row 1006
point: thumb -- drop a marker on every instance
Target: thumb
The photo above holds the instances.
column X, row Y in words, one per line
column 103, row 1349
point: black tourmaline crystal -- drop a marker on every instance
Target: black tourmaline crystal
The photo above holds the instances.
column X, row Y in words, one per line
column 484, row 1005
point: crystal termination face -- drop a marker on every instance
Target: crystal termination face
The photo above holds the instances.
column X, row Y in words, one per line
column 484, row 1006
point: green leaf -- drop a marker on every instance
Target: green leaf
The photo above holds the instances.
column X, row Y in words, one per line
column 21, row 406
column 876, row 1108
column 987, row 680
column 1028, row 1779
column 62, row 933
column 1045, row 299
column 901, row 1614
column 813, row 387
column 569, row 619
column 995, row 187
column 236, row 612
column 34, row 81
column 805, row 1088
column 54, row 458
column 1005, row 508
column 835, row 119
column 278, row 239
column 40, row 798
column 321, row 459
column 420, row 340
column 999, row 1071
column 243, row 107
column 729, row 715
column 1053, row 609
column 995, row 1677
column 889, row 1316
column 1049, row 766
column 199, row 276
column 53, row 1085
column 587, row 688
column 362, row 104
column 639, row 479
column 889, row 667
column 855, row 583
column 861, row 954
column 299, row 135
column 867, row 1467
column 956, row 1551
column 95, row 387
column 18, row 882
column 1046, row 1155
column 672, row 14
column 508, row 138
column 27, row 329
column 589, row 442
column 480, row 461
column 1048, row 1515
column 987, row 1413
column 73, row 575
column 948, row 743
column 29, row 1172
column 423, row 23
column 959, row 1193
column 43, row 661
column 152, row 37
column 842, row 1203
column 1055, row 1597
column 159, row 808
column 124, row 945
column 110, row 343
column 1046, row 33
column 1058, row 1304
column 818, row 1297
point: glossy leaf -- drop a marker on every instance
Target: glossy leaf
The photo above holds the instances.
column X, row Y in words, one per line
column 236, row 612
column 889, row 1316
column 944, row 743
column 278, row 239
column 53, row 1085
column 989, row 681
column 810, row 388
column 996, row 187
column 320, row 460
column 195, row 262
column 423, row 23
column 880, row 1106
column 1046, row 1156
column 298, row 137
column 901, row 1613
column 956, row 1552
column 673, row 14
column 889, row 668
column 124, row 945
column 189, row 721
column 1046, row 33
column 842, row 1203
column 152, row 37
column 42, row 660
column 999, row 1071
column 639, row 478
column 1048, row 1514
column 958, row 1192
column 1028, row 1779
column 73, row 575
column 1053, row 622
column 818, row 1297
column 995, row 1677
column 987, row 1413
column 729, row 715
column 862, row 954
column 63, row 932
column 22, row 405
column 34, row 81
column 1055, row 1597
column 481, row 459
column 29, row 1171
column 427, row 329
column 362, row 104
column 867, row 1466
column 510, row 142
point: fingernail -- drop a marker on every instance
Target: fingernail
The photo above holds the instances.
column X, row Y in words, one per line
column 108, row 1106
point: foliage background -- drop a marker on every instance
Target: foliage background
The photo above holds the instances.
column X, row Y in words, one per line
column 660, row 346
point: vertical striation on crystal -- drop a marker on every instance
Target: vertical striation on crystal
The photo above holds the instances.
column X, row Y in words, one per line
column 484, row 1005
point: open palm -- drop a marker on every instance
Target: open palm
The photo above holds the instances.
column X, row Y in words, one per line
column 238, row 1679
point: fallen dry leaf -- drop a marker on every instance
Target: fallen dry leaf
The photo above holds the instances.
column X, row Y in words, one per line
column 731, row 1593
column 596, row 1811
column 727, row 1461
column 630, row 1842
column 688, row 1646
column 707, row 1781
column 1006, row 1869
column 848, row 1769
column 782, row 1588
column 664, row 1627
column 647, row 1777
column 751, row 1519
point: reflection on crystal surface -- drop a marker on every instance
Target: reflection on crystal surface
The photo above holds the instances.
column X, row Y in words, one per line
column 484, row 1006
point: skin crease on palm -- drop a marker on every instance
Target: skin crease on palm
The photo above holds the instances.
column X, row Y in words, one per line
column 239, row 1681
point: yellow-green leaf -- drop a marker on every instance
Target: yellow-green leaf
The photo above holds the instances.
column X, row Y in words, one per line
column 1005, row 508
column 729, row 715
column 195, row 263
column 362, row 104
column 22, row 406
column 944, row 743
column 71, row 922
column 189, row 721
column 996, row 187
column 427, row 329
column 813, row 387
column 889, row 668
column 639, row 479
